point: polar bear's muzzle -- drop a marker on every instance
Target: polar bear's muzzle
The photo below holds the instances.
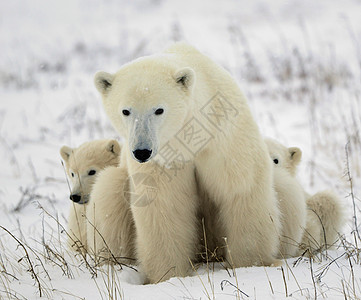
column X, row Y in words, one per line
column 143, row 142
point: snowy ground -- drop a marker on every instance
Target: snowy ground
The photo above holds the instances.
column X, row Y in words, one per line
column 298, row 62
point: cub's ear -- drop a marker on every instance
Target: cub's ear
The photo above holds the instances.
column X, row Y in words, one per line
column 185, row 77
column 113, row 147
column 65, row 152
column 103, row 82
column 295, row 155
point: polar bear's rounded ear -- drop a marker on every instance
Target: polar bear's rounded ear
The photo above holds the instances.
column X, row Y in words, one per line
column 65, row 152
column 113, row 147
column 185, row 77
column 295, row 155
column 103, row 81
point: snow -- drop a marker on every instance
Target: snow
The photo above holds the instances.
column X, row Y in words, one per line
column 299, row 64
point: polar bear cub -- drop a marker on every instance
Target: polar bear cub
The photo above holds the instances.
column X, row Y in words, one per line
column 82, row 166
column 324, row 213
column 290, row 196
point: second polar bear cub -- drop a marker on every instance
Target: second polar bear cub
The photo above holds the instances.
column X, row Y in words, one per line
column 290, row 196
column 320, row 215
column 82, row 165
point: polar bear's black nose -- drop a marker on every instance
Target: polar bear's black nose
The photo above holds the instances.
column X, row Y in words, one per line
column 76, row 198
column 142, row 154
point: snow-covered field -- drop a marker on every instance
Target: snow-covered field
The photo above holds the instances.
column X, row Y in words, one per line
column 299, row 64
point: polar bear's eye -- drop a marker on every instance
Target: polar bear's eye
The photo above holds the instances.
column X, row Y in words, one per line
column 92, row 172
column 126, row 112
column 72, row 174
column 159, row 111
column 275, row 161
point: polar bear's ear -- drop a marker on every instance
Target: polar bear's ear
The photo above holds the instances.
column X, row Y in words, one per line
column 103, row 81
column 185, row 77
column 65, row 152
column 113, row 147
column 295, row 155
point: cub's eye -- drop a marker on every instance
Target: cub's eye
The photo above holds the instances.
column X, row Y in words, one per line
column 92, row 172
column 159, row 111
column 275, row 161
column 126, row 112
column 72, row 174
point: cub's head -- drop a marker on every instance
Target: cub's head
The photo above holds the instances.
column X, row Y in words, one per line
column 283, row 157
column 147, row 102
column 82, row 165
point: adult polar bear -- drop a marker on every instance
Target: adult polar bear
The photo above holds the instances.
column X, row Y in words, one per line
column 183, row 101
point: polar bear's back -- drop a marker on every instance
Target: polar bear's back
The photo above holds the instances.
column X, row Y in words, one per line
column 208, row 73
column 181, row 47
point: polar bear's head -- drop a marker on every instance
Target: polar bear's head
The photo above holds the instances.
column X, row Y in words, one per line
column 283, row 157
column 82, row 164
column 147, row 102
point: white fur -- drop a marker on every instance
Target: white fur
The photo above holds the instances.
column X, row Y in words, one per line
column 110, row 226
column 233, row 168
column 290, row 196
column 320, row 215
column 90, row 156
column 325, row 216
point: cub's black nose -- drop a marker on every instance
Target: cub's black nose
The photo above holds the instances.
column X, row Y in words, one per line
column 76, row 198
column 142, row 155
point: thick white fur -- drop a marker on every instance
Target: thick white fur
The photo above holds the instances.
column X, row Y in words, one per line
column 110, row 226
column 290, row 195
column 325, row 216
column 95, row 155
column 167, row 228
column 233, row 168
